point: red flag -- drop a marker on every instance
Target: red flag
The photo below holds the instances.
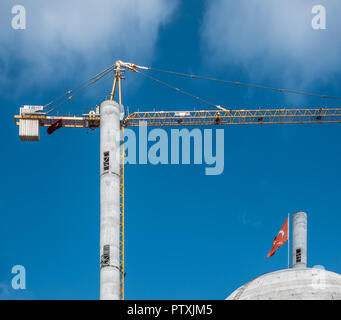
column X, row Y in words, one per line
column 280, row 239
column 55, row 126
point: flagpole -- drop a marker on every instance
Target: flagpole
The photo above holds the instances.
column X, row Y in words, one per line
column 288, row 240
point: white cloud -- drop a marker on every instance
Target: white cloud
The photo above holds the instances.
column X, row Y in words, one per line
column 273, row 39
column 68, row 37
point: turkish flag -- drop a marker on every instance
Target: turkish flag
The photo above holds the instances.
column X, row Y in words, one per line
column 55, row 126
column 280, row 239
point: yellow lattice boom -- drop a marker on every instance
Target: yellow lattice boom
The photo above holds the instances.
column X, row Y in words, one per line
column 202, row 117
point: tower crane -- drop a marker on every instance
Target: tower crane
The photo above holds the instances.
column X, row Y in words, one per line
column 107, row 117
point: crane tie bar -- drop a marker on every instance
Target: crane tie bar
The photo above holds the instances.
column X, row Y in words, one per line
column 133, row 67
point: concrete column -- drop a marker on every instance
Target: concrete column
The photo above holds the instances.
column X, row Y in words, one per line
column 299, row 240
column 110, row 201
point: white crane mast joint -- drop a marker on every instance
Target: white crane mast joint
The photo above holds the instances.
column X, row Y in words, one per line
column 128, row 65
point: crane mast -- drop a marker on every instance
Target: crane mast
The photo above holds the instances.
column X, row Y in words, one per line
column 107, row 118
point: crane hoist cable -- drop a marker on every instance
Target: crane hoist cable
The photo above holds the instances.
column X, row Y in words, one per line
column 80, row 88
column 133, row 68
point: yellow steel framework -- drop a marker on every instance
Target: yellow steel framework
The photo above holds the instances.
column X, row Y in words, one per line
column 122, row 272
column 118, row 78
column 219, row 117
column 202, row 117
column 223, row 116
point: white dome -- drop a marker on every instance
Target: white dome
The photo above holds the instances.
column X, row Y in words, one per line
column 292, row 284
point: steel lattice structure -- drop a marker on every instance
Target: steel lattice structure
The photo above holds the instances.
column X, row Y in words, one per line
column 203, row 117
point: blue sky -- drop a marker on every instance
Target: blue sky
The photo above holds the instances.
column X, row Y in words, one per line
column 188, row 236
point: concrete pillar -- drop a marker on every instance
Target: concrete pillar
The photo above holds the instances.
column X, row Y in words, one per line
column 299, row 240
column 110, row 201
